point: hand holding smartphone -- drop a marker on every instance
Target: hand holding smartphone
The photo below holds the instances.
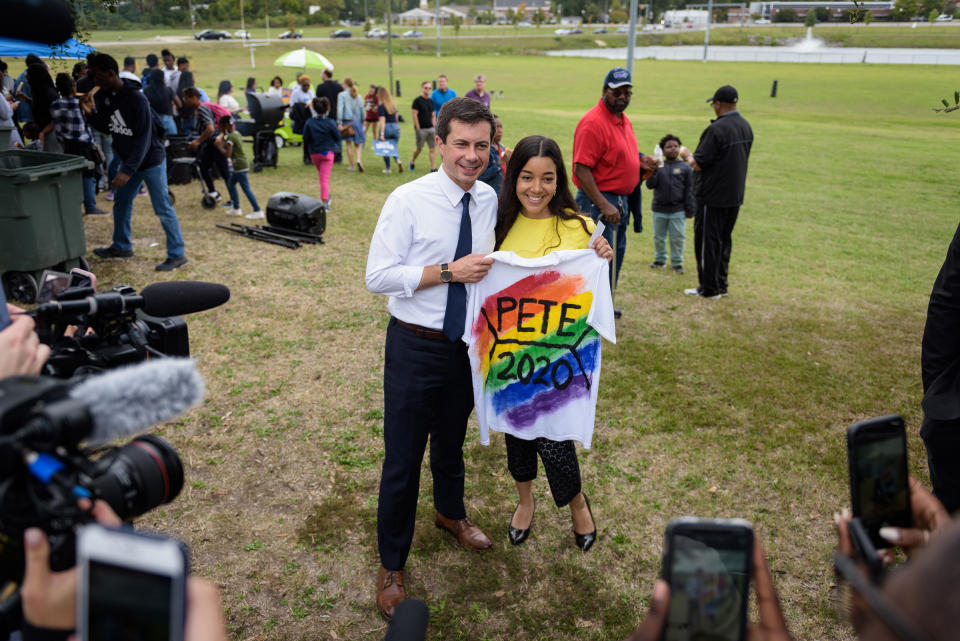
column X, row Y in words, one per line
column 879, row 489
column 708, row 564
column 132, row 585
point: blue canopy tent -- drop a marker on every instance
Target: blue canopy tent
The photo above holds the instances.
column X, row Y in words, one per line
column 72, row 49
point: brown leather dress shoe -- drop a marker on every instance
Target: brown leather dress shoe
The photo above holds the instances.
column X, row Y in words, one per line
column 390, row 591
column 468, row 534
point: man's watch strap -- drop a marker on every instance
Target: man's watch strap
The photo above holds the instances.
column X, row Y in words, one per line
column 446, row 276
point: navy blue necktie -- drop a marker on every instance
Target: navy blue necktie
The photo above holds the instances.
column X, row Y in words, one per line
column 456, row 314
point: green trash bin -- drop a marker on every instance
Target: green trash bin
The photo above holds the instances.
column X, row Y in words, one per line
column 5, row 136
column 41, row 217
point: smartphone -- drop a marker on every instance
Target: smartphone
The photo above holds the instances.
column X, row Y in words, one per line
column 708, row 564
column 879, row 491
column 131, row 586
column 82, row 278
column 52, row 283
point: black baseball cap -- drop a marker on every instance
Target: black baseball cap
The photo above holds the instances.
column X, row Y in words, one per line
column 726, row 93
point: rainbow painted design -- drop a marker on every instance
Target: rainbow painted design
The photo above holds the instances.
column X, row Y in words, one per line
column 535, row 350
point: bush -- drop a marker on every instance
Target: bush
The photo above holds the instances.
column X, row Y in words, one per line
column 932, row 17
column 785, row 15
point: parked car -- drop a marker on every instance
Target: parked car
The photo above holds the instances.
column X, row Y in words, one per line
column 576, row 31
column 341, row 33
column 600, row 30
column 562, row 32
column 241, row 33
column 626, row 29
column 761, row 21
column 944, row 17
column 212, row 34
column 377, row 32
column 290, row 35
column 524, row 23
column 413, row 33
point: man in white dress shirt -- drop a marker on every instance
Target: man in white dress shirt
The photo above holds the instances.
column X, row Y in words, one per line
column 433, row 235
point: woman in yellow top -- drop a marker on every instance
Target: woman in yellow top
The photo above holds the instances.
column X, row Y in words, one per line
column 538, row 215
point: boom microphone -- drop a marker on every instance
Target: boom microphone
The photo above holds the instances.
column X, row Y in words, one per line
column 130, row 400
column 176, row 298
column 409, row 622
column 123, row 402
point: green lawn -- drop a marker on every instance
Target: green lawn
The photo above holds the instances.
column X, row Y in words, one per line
column 734, row 407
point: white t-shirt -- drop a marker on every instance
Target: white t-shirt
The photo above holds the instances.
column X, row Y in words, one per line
column 230, row 103
column 533, row 333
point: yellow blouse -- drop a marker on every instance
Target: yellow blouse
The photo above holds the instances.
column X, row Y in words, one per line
column 535, row 237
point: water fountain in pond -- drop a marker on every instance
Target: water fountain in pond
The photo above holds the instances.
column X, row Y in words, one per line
column 809, row 43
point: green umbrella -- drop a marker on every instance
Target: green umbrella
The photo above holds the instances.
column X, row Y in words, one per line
column 303, row 58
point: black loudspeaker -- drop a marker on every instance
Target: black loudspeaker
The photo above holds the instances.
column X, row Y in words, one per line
column 297, row 212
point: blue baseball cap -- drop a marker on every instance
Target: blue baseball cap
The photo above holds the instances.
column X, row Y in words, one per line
column 618, row 77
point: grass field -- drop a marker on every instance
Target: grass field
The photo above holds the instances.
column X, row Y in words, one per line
column 734, row 407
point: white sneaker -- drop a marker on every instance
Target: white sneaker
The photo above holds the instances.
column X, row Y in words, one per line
column 387, row 171
column 214, row 195
column 234, row 212
column 255, row 215
column 695, row 291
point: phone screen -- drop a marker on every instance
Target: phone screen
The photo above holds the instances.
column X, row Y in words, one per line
column 882, row 480
column 708, row 590
column 51, row 284
column 128, row 604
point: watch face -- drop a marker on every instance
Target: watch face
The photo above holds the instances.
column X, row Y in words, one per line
column 446, row 276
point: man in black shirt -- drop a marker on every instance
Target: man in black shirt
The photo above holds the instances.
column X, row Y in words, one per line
column 940, row 368
column 721, row 165
column 425, row 125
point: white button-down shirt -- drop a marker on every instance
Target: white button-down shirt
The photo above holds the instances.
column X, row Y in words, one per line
column 419, row 226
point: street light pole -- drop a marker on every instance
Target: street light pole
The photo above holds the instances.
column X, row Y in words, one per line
column 390, row 45
column 632, row 36
column 706, row 35
column 438, row 28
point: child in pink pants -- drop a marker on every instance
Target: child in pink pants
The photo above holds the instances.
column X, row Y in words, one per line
column 321, row 137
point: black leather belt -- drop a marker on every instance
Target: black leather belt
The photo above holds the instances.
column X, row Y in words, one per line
column 423, row 332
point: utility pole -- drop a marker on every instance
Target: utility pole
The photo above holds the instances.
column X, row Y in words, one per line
column 632, row 36
column 438, row 28
column 706, row 35
column 390, row 44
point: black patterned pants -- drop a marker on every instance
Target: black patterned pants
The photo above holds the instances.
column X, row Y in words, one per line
column 559, row 460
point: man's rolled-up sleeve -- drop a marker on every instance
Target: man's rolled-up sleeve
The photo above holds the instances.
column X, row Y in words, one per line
column 386, row 272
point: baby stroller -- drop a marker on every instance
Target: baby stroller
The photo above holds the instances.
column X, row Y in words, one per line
column 266, row 114
column 183, row 168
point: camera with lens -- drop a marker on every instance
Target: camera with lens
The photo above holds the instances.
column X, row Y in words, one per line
column 90, row 333
column 45, row 469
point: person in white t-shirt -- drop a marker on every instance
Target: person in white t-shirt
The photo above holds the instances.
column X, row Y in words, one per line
column 225, row 98
column 538, row 215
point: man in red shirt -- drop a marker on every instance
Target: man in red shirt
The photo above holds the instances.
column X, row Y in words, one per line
column 606, row 161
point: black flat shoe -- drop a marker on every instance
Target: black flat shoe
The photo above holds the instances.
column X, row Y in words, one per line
column 518, row 536
column 586, row 541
